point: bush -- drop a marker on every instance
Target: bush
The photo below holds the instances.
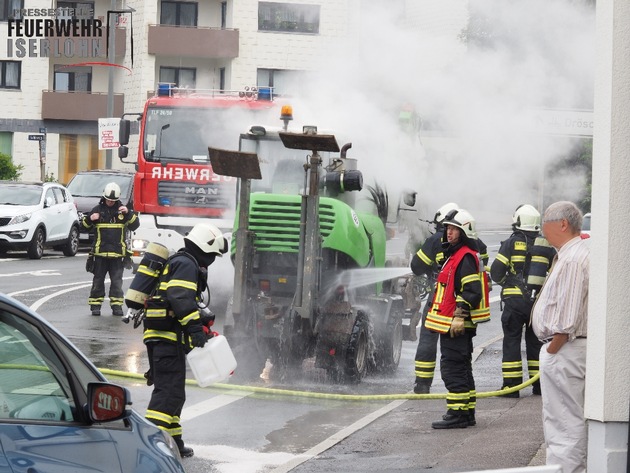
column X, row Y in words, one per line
column 8, row 170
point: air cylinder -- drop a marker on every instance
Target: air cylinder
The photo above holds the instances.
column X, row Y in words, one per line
column 147, row 276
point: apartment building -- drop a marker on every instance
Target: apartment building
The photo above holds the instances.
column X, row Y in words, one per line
column 62, row 84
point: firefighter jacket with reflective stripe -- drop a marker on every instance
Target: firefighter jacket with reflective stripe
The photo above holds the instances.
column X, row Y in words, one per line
column 521, row 255
column 174, row 307
column 459, row 284
column 429, row 258
column 110, row 229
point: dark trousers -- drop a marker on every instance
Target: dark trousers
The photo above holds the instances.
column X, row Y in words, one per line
column 115, row 268
column 456, row 369
column 427, row 348
column 516, row 314
column 167, row 364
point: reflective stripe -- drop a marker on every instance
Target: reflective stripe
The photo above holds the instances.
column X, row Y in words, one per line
column 424, row 258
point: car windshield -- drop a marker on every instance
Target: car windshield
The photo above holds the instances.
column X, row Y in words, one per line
column 184, row 134
column 92, row 184
column 20, row 195
column 33, row 383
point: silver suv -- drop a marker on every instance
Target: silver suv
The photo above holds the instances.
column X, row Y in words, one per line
column 35, row 215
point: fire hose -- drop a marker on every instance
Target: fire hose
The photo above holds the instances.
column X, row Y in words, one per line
column 332, row 396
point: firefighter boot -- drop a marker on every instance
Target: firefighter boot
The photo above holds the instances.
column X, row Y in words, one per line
column 96, row 309
column 184, row 451
column 536, row 389
column 515, row 394
column 422, row 386
column 453, row 420
column 117, row 310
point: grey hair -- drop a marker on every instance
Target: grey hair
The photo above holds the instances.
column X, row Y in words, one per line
column 565, row 210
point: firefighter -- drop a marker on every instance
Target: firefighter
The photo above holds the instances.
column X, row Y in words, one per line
column 428, row 260
column 110, row 220
column 520, row 268
column 174, row 325
column 459, row 304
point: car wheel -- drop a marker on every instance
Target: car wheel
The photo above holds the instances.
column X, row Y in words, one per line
column 72, row 245
column 36, row 248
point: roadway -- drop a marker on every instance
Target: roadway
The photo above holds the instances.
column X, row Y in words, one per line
column 233, row 428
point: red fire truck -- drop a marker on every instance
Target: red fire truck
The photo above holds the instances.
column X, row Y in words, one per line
column 174, row 185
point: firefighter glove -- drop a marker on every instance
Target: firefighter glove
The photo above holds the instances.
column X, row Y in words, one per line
column 207, row 316
column 457, row 324
column 197, row 336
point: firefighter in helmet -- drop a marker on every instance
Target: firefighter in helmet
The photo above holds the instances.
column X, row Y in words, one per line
column 428, row 260
column 110, row 220
column 520, row 267
column 459, row 304
column 174, row 325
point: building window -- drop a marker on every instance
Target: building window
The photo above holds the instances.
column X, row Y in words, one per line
column 72, row 79
column 223, row 15
column 222, row 79
column 83, row 10
column 288, row 17
column 178, row 14
column 180, row 76
column 80, row 153
column 11, row 74
column 282, row 82
column 6, row 142
column 7, row 7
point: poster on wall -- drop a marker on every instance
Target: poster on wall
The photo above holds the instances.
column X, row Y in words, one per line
column 108, row 133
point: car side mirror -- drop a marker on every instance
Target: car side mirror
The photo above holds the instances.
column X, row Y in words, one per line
column 124, row 130
column 409, row 198
column 123, row 152
column 107, row 402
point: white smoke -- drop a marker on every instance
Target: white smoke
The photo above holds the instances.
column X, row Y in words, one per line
column 480, row 154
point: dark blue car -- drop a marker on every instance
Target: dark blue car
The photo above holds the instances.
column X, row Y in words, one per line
column 58, row 413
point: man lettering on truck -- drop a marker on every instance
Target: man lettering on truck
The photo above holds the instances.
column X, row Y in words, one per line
column 173, row 326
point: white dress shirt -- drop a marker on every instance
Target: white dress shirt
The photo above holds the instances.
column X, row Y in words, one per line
column 562, row 304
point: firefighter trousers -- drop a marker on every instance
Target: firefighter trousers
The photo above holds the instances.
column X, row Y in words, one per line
column 456, row 370
column 515, row 317
column 167, row 364
column 115, row 268
column 427, row 348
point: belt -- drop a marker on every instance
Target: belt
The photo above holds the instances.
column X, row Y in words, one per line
column 547, row 340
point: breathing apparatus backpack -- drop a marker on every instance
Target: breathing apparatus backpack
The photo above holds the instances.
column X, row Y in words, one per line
column 145, row 283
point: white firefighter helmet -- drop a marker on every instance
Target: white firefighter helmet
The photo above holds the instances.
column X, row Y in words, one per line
column 462, row 219
column 208, row 239
column 441, row 213
column 111, row 191
column 526, row 218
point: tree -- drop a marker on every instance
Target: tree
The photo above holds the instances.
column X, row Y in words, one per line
column 8, row 170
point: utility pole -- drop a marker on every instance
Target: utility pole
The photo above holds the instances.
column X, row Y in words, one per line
column 111, row 58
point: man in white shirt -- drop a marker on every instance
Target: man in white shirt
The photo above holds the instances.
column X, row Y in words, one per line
column 559, row 319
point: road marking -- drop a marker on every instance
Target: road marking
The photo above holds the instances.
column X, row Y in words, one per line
column 41, row 272
column 75, row 285
column 209, row 405
column 227, row 459
column 336, row 438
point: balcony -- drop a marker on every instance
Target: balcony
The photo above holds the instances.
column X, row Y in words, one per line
column 85, row 106
column 87, row 46
column 199, row 42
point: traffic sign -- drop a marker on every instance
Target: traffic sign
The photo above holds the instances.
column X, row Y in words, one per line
column 42, row 130
column 36, row 137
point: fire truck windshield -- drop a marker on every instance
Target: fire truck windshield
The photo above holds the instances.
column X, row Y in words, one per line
column 184, row 133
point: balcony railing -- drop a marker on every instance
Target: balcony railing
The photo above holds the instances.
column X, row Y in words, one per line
column 201, row 42
column 86, row 106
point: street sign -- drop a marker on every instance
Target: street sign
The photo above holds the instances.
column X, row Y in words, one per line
column 36, row 137
column 42, row 130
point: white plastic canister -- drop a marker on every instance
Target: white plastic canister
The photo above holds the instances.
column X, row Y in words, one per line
column 212, row 363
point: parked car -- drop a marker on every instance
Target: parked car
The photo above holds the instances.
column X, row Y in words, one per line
column 58, row 413
column 87, row 189
column 35, row 215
